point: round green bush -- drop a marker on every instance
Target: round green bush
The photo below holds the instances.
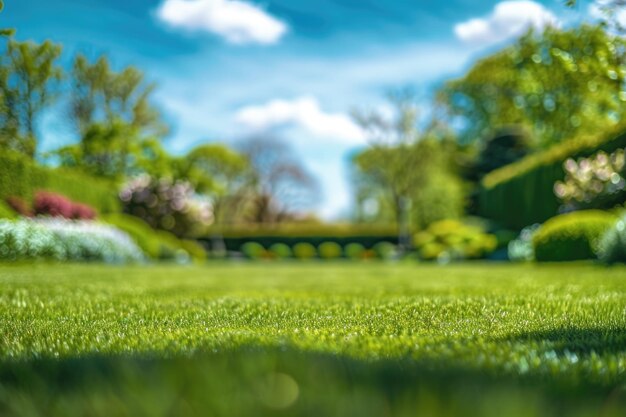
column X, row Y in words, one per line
column 573, row 236
column 304, row 250
column 385, row 250
column 280, row 251
column 253, row 250
column 354, row 251
column 329, row 250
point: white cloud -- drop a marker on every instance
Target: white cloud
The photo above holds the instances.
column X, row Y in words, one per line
column 237, row 21
column 304, row 113
column 508, row 19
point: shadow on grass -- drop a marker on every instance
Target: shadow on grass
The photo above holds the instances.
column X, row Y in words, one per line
column 580, row 341
column 264, row 382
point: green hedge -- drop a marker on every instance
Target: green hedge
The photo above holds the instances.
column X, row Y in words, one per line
column 573, row 236
column 292, row 234
column 22, row 177
column 522, row 193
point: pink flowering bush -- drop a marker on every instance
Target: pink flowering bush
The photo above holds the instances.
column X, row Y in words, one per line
column 166, row 205
column 55, row 205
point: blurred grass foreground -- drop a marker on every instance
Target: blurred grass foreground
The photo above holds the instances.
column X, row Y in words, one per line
column 367, row 339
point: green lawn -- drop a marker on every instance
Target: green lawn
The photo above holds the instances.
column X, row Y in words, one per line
column 313, row 339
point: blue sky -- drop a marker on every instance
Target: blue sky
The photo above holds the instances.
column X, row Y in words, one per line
column 231, row 68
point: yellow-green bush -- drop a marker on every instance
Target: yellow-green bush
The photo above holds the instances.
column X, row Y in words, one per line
column 329, row 250
column 253, row 250
column 280, row 251
column 452, row 239
column 304, row 251
column 573, row 236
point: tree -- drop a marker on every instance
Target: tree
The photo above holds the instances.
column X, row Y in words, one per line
column 118, row 127
column 220, row 173
column 29, row 72
column 557, row 84
column 404, row 166
column 282, row 187
column 101, row 95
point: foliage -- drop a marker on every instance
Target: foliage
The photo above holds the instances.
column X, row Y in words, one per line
column 448, row 240
column 594, row 182
column 65, row 240
column 7, row 212
column 28, row 72
column 385, row 250
column 522, row 193
column 20, row 177
column 329, row 250
column 167, row 205
column 557, row 83
column 354, row 251
column 51, row 204
column 253, row 250
column 405, row 175
column 119, row 129
column 223, row 175
column 572, row 236
column 370, row 339
column 100, row 95
column 304, row 251
column 281, row 251
column 521, row 249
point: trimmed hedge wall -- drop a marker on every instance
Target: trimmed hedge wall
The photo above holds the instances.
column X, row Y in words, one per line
column 521, row 193
column 22, row 177
column 290, row 235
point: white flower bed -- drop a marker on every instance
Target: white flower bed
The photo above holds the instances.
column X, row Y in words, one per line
column 61, row 239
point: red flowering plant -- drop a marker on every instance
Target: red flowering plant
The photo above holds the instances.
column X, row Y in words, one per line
column 46, row 203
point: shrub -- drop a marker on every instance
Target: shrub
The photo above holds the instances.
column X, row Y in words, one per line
column 354, row 251
column 329, row 250
column 280, row 251
column 253, row 250
column 385, row 250
column 522, row 193
column 521, row 248
column 572, row 236
column 50, row 204
column 20, row 206
column 6, row 212
column 451, row 239
column 304, row 251
column 612, row 245
column 65, row 240
column 166, row 205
